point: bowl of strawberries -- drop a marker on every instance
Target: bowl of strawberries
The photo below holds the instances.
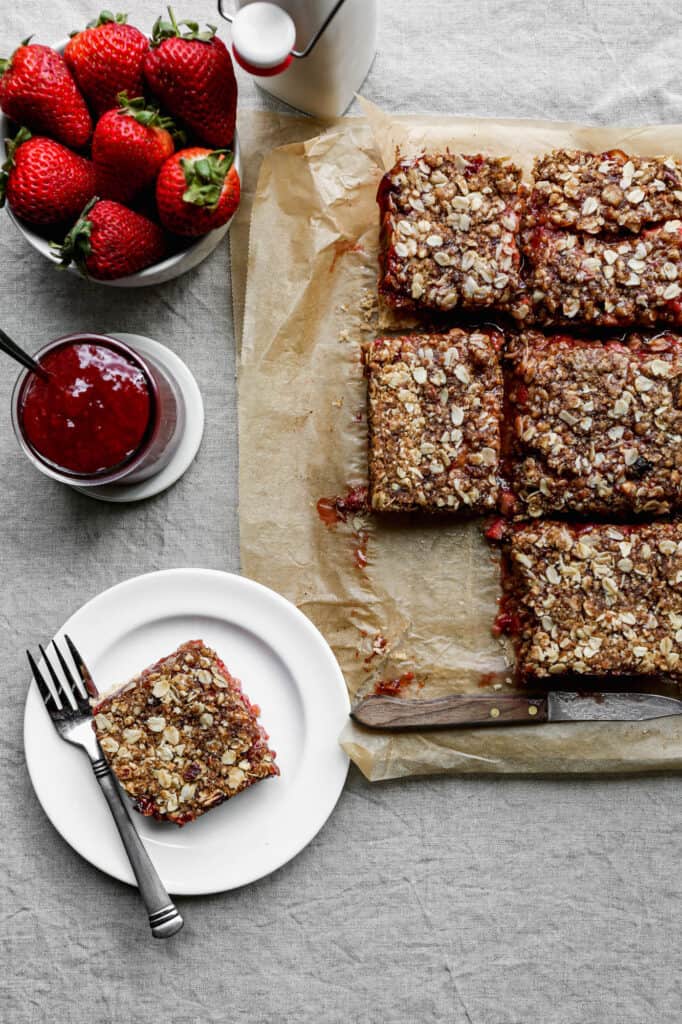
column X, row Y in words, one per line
column 122, row 157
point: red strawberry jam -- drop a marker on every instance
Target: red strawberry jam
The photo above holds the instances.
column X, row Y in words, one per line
column 91, row 414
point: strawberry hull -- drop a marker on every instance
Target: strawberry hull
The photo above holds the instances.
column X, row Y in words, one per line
column 197, row 191
column 110, row 241
column 127, row 153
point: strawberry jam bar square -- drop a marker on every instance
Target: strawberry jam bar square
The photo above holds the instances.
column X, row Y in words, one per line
column 435, row 405
column 576, row 279
column 595, row 601
column 182, row 737
column 604, row 193
column 448, row 233
column 595, row 427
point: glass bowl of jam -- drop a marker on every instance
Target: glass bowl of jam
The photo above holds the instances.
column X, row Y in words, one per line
column 102, row 413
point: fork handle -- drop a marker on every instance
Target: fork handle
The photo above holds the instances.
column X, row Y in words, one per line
column 164, row 916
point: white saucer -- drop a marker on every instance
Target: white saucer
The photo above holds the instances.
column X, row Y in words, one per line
column 191, row 437
column 285, row 666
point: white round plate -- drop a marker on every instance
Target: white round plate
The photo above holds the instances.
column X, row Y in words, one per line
column 191, row 437
column 285, row 666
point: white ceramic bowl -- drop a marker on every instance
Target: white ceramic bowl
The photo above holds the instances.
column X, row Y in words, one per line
column 158, row 273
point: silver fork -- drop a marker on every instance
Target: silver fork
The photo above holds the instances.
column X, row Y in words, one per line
column 69, row 708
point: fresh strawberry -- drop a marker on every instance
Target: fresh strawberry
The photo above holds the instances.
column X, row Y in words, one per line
column 128, row 147
column 192, row 75
column 36, row 89
column 108, row 241
column 197, row 190
column 44, row 182
column 106, row 58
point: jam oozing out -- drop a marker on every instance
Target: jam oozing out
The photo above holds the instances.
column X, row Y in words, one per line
column 93, row 411
column 394, row 687
column 336, row 510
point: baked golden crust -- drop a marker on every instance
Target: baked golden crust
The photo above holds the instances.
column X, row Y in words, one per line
column 449, row 228
column 604, row 193
column 577, row 279
column 597, row 600
column 434, row 410
column 595, row 427
column 182, row 737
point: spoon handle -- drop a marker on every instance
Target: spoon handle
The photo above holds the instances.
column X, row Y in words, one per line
column 13, row 350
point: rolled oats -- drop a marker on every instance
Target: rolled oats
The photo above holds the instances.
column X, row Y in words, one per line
column 173, row 733
column 435, row 403
column 594, row 427
column 603, row 193
column 449, row 228
column 592, row 616
column 575, row 278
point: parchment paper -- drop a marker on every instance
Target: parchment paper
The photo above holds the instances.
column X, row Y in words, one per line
column 426, row 600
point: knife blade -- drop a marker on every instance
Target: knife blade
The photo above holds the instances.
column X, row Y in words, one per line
column 379, row 712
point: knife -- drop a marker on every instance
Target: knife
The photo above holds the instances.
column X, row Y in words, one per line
column 512, row 709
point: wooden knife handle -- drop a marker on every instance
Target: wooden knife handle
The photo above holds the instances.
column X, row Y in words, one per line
column 443, row 712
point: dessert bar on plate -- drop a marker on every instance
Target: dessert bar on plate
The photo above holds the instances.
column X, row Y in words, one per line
column 435, row 406
column 604, row 193
column 595, row 601
column 449, row 233
column 182, row 737
column 595, row 427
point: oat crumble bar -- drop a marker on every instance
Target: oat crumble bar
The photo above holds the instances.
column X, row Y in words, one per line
column 596, row 601
column 182, row 737
column 574, row 279
column 448, row 233
column 435, row 405
column 595, row 427
column 602, row 193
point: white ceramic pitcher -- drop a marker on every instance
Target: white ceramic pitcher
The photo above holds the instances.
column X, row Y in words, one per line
column 313, row 54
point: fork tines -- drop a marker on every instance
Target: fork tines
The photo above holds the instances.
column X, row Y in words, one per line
column 68, row 694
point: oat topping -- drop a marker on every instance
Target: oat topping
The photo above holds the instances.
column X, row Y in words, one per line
column 597, row 601
column 574, row 279
column 600, row 193
column 596, row 427
column 182, row 737
column 448, row 232
column 435, row 403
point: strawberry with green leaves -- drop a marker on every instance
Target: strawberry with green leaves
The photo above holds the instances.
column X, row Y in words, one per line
column 192, row 76
column 128, row 147
column 43, row 182
column 106, row 58
column 197, row 190
column 110, row 241
column 36, row 89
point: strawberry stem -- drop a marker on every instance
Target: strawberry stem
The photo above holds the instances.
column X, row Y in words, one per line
column 205, row 177
column 171, row 30
column 107, row 18
column 76, row 246
column 11, row 146
column 147, row 115
column 5, row 62
column 171, row 15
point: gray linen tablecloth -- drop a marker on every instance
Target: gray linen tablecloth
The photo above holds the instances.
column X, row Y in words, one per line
column 492, row 901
